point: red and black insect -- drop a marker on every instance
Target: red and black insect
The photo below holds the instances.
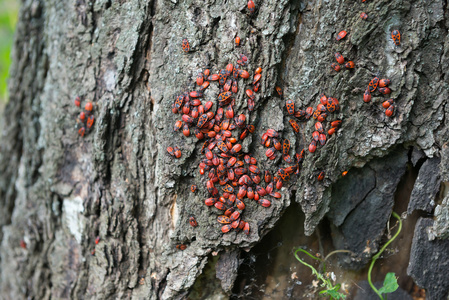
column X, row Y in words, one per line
column 193, row 221
column 321, row 176
column 196, row 94
column 372, row 85
column 319, row 127
column 285, row 147
column 185, row 45
column 276, row 144
column 312, row 146
column 350, row 65
column 224, row 98
column 186, row 130
column 264, row 202
column 290, row 105
column 82, row 116
column 322, row 117
column 341, row 35
column 322, row 139
column 181, row 247
column 78, row 101
column 384, row 82
column 223, row 219
column 251, row 7
column 364, row 16
column 384, row 90
column 193, row 188
column 332, row 130
column 237, row 41
column 367, row 96
column 222, row 76
column 177, row 152
column 309, row 112
column 386, row 104
column 390, row 111
column 279, row 91
column 323, row 99
column 82, row 131
column 294, row 125
column 340, row 59
column 171, row 151
column 396, row 36
column 89, row 106
column 336, row 123
column 336, row 67
column 200, row 78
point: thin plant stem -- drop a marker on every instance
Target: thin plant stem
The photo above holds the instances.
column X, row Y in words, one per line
column 375, row 257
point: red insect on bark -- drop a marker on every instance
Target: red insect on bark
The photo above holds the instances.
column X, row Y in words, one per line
column 396, row 36
column 267, row 176
column 341, row 35
column 185, row 45
column 373, row 84
column 246, row 228
column 336, row 67
column 323, row 99
column 181, row 247
column 350, row 65
column 290, row 105
column 177, row 152
column 223, row 219
column 384, row 82
column 256, row 78
column 264, row 202
column 387, row 103
column 336, row 123
column 384, row 90
column 237, row 41
column 340, row 59
column 321, row 176
column 193, row 221
column 390, row 111
column 200, row 78
column 78, row 101
column 294, row 125
column 251, row 7
column 279, row 91
column 312, row 146
column 367, row 96
column 89, row 106
column 226, row 228
column 322, row 139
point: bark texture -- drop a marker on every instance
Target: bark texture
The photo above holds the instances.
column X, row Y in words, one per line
column 59, row 191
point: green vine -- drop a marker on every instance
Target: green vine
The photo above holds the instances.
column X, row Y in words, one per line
column 329, row 289
column 390, row 283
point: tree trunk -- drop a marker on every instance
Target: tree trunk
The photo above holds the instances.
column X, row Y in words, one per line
column 60, row 191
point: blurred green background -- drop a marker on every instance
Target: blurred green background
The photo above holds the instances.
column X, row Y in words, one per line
column 8, row 17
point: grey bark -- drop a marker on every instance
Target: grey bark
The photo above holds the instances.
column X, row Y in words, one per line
column 59, row 191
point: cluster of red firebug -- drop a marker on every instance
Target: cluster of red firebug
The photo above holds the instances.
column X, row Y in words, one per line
column 382, row 87
column 236, row 172
column 86, row 118
column 327, row 106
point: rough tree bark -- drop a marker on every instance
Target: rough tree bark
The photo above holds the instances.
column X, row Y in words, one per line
column 59, row 191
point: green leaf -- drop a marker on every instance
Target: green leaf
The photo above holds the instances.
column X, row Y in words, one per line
column 333, row 293
column 390, row 284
